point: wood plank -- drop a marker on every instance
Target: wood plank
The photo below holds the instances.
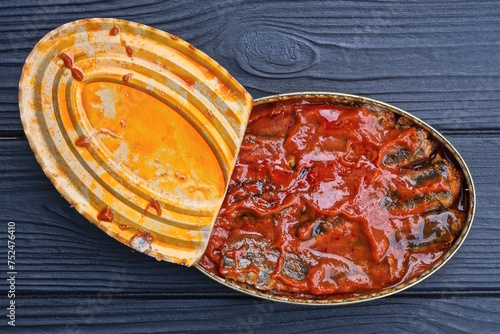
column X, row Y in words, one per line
column 105, row 314
column 437, row 60
column 59, row 251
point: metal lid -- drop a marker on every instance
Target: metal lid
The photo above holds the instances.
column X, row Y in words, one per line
column 137, row 129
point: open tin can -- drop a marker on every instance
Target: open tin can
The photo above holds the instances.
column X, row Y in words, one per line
column 140, row 132
column 358, row 101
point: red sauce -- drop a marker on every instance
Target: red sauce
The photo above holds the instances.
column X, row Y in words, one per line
column 155, row 204
column 114, row 31
column 328, row 200
column 69, row 61
column 106, row 215
column 129, row 50
column 77, row 74
column 82, row 141
column 127, row 77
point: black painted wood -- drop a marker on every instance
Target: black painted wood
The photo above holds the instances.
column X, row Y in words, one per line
column 438, row 60
column 106, row 314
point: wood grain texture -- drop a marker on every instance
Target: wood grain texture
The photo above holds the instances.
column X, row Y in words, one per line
column 438, row 60
column 106, row 314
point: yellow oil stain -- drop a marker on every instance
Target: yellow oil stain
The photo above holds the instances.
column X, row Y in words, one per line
column 157, row 144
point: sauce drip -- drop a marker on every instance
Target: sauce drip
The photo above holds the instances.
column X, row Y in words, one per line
column 114, row 31
column 82, row 141
column 334, row 201
column 129, row 50
column 69, row 61
column 77, row 74
column 127, row 77
column 106, row 215
column 155, row 204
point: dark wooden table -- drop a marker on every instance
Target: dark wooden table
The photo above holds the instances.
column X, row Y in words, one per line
column 438, row 60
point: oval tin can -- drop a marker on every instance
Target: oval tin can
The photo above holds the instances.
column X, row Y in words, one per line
column 358, row 101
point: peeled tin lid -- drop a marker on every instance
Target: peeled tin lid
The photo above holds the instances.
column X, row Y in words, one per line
column 137, row 129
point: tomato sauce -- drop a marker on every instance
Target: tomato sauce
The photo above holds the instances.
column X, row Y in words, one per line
column 329, row 200
column 106, row 215
column 156, row 205
column 69, row 61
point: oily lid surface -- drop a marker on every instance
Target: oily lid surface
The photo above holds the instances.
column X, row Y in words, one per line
column 137, row 129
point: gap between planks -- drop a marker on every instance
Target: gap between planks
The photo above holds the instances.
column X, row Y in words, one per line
column 462, row 293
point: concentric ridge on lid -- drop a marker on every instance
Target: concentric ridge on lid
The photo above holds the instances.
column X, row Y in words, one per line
column 137, row 129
